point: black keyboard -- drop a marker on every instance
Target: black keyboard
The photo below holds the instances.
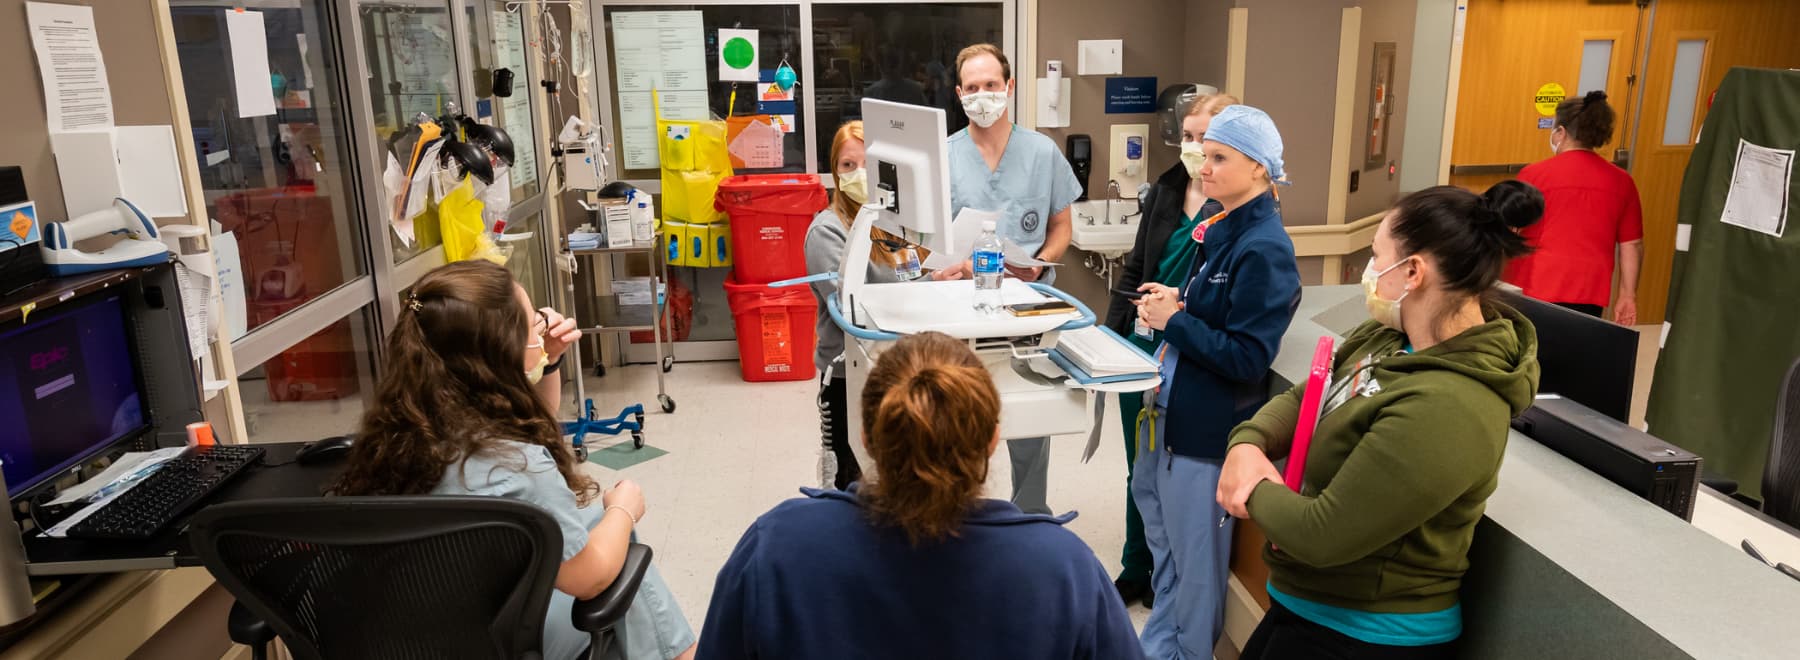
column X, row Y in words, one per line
column 167, row 493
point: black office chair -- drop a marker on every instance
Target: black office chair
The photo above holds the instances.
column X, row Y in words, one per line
column 1781, row 475
column 399, row 577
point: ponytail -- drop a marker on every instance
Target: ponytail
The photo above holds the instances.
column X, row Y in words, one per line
column 1471, row 236
column 930, row 416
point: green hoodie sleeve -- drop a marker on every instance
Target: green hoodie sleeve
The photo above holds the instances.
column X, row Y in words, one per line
column 1409, row 466
column 1272, row 429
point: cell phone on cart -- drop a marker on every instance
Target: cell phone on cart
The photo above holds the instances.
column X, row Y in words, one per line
column 1040, row 308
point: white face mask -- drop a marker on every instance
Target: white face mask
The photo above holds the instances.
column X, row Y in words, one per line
column 1553, row 148
column 854, row 183
column 985, row 108
column 536, row 373
column 1385, row 312
column 1192, row 158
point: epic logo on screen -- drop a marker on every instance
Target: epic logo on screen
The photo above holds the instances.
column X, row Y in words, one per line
column 46, row 359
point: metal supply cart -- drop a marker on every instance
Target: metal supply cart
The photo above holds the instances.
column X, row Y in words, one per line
column 611, row 317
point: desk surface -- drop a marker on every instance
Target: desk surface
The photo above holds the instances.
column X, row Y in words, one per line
column 1689, row 583
column 276, row 476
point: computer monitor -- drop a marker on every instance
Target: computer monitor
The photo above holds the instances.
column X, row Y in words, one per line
column 908, row 157
column 1589, row 360
column 69, row 389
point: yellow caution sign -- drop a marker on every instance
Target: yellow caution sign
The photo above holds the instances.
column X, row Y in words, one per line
column 1547, row 97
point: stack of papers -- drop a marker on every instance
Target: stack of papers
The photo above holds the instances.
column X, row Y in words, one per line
column 1103, row 355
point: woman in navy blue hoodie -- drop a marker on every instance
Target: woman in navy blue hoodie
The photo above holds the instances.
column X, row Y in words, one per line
column 919, row 565
column 1221, row 329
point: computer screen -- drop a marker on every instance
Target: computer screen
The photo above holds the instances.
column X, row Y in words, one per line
column 1583, row 358
column 908, row 155
column 69, row 389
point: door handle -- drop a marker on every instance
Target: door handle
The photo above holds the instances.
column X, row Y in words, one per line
column 1474, row 170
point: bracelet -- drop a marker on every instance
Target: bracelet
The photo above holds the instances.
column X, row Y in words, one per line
column 553, row 366
column 621, row 508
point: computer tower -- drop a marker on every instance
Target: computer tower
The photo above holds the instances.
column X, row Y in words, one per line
column 1666, row 475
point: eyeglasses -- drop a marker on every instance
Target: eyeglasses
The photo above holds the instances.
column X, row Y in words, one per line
column 542, row 326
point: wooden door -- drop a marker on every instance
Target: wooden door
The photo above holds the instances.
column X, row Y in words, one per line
column 1511, row 48
column 1754, row 33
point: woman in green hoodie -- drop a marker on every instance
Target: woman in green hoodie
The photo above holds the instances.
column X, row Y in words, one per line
column 1367, row 559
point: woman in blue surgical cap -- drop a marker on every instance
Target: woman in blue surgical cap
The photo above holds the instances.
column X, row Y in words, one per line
column 1220, row 328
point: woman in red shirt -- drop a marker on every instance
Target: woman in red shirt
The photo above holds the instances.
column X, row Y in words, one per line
column 1589, row 206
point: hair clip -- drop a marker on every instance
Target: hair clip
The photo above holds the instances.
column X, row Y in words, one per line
column 412, row 302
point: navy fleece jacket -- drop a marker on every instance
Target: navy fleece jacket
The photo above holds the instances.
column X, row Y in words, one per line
column 814, row 578
column 1238, row 303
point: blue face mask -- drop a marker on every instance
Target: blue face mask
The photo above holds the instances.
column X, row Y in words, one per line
column 785, row 77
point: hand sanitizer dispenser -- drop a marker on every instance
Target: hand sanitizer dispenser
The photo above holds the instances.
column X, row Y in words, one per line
column 1129, row 155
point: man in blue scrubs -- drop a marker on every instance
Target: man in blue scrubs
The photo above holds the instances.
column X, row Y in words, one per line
column 994, row 166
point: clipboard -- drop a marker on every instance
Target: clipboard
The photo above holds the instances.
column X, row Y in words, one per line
column 1318, row 383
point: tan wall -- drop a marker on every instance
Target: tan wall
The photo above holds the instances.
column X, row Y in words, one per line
column 1154, row 32
column 1208, row 30
column 1388, row 21
column 134, row 69
column 1291, row 73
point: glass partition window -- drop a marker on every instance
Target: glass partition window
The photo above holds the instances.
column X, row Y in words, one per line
column 316, row 388
column 411, row 58
column 497, row 38
column 903, row 52
column 278, row 185
column 687, row 96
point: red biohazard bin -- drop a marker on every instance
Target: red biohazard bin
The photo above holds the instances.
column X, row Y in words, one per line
column 774, row 330
column 769, row 214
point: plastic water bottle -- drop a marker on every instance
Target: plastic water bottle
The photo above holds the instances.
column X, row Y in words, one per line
column 990, row 267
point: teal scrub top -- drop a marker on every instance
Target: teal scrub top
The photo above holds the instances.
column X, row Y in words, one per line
column 1177, row 259
column 1032, row 182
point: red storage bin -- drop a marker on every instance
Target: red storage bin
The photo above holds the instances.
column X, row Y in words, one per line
column 769, row 214
column 774, row 330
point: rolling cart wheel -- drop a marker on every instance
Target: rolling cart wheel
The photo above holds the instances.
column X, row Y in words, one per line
column 639, row 418
column 668, row 404
column 637, row 439
column 581, row 453
column 599, row 371
column 668, row 363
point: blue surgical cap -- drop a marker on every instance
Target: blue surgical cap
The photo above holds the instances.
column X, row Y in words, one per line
column 1252, row 132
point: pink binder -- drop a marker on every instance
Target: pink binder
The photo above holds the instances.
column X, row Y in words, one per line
column 1318, row 382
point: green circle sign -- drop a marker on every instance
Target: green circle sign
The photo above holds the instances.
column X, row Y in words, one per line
column 739, row 53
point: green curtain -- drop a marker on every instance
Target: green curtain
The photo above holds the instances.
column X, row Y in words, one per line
column 1734, row 299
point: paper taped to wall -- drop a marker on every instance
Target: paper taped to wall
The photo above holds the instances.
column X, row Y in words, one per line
column 76, row 93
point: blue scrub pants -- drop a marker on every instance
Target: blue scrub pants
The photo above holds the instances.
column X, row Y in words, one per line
column 1191, row 552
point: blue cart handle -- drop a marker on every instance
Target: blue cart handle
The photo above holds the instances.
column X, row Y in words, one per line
column 831, row 306
column 1087, row 315
column 809, row 279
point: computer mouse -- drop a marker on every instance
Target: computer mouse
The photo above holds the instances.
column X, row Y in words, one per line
column 324, row 451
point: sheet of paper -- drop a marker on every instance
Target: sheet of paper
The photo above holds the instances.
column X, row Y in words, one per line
column 305, row 63
column 196, row 304
column 250, row 63
column 965, row 229
column 87, row 163
column 637, row 122
column 229, row 269
column 1019, row 256
column 76, row 93
column 662, row 50
column 1759, row 189
column 150, row 170
column 758, row 146
column 738, row 59
column 132, row 465
column 771, row 92
column 515, row 110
